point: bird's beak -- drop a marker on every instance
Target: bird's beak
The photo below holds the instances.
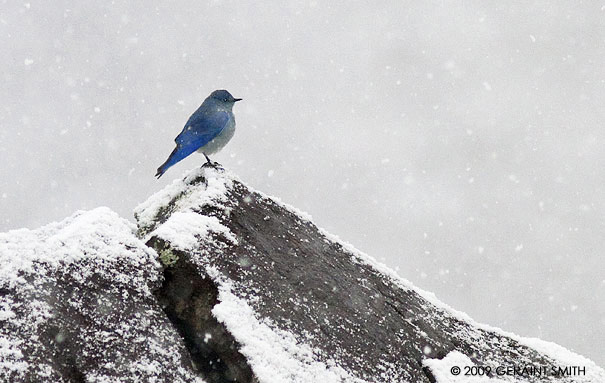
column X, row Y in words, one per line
column 237, row 99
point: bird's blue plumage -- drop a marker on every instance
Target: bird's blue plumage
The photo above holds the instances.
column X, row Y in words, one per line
column 213, row 120
column 201, row 128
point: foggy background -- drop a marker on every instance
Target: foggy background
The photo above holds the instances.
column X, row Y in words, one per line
column 460, row 143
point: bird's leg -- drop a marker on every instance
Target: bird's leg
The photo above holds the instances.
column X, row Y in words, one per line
column 209, row 163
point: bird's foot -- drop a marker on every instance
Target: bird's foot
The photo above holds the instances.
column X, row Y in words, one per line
column 213, row 165
column 210, row 164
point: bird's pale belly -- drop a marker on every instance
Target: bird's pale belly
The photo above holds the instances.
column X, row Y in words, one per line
column 219, row 141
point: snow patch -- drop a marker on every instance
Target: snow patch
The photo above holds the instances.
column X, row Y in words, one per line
column 274, row 355
column 187, row 194
column 184, row 229
column 99, row 234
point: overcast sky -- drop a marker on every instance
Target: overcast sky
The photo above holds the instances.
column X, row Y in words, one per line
column 460, row 143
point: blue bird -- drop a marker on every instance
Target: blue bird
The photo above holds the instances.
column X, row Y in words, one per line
column 208, row 129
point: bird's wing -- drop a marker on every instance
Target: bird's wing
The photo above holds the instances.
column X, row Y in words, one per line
column 202, row 128
column 199, row 130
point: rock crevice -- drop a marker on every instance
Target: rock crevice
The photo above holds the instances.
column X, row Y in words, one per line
column 187, row 298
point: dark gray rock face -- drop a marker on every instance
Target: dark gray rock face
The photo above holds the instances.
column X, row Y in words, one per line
column 356, row 320
column 220, row 284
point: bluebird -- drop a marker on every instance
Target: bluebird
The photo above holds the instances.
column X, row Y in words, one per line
column 208, row 129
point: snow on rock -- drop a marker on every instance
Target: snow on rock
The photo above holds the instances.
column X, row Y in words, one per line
column 76, row 304
column 276, row 355
column 184, row 228
column 182, row 194
column 299, row 305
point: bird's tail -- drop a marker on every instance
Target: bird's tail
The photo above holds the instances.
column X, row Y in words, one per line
column 174, row 157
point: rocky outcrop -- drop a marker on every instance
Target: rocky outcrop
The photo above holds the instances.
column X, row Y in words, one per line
column 77, row 305
column 221, row 283
column 300, row 303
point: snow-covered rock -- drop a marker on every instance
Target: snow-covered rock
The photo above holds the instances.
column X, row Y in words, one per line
column 252, row 281
column 76, row 305
column 220, row 283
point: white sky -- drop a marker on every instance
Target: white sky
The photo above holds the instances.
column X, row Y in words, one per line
column 459, row 142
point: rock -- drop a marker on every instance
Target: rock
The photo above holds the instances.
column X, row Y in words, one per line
column 291, row 303
column 219, row 283
column 76, row 305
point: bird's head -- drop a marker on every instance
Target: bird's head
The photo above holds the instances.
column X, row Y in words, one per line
column 223, row 96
